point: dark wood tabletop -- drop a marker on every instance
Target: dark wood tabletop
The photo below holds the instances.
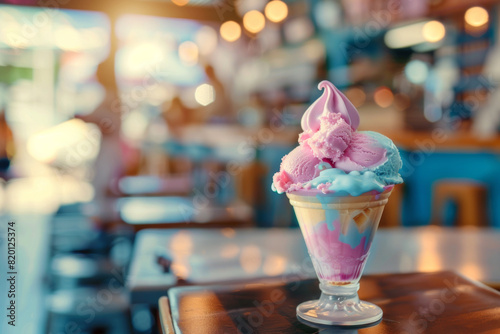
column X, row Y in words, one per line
column 439, row 302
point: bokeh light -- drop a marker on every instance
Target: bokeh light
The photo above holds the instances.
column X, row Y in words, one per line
column 328, row 14
column 314, row 49
column 254, row 21
column 383, row 97
column 298, row 30
column 180, row 2
column 433, row 31
column 134, row 125
column 476, row 16
column 274, row 265
column 188, row 53
column 416, row 71
column 230, row 31
column 405, row 36
column 204, row 94
column 356, row 95
column 276, row 11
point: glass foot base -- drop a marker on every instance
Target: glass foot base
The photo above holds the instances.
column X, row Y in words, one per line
column 339, row 310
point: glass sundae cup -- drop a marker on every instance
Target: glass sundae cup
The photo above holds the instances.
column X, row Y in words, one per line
column 338, row 231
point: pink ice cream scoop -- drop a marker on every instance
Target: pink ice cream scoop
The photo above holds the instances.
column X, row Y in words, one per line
column 330, row 141
column 363, row 152
column 297, row 167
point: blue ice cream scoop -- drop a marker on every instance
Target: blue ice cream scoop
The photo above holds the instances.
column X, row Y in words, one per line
column 388, row 172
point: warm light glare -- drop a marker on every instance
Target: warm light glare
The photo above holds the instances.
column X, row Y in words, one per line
column 67, row 38
column 276, row 11
column 251, row 259
column 383, row 97
column 415, row 34
column 180, row 2
column 72, row 141
column 134, row 125
column 230, row 31
column 135, row 58
column 254, row 21
column 181, row 269
column 73, row 190
column 405, row 36
column 33, row 195
column 228, row 232
column 204, row 94
column 427, row 259
column 433, row 31
column 476, row 16
column 181, row 244
column 94, row 37
column 274, row 265
column 188, row 53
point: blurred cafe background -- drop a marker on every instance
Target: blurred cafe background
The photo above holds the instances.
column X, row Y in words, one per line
column 138, row 140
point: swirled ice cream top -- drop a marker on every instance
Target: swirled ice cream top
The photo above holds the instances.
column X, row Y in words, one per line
column 332, row 101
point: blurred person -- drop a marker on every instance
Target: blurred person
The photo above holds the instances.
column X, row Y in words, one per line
column 109, row 164
column 222, row 107
column 6, row 146
column 176, row 116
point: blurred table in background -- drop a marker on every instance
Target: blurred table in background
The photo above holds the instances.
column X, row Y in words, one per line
column 197, row 256
column 148, row 185
column 214, row 255
column 452, row 304
column 442, row 140
column 171, row 211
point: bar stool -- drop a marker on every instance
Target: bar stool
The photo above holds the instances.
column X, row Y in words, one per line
column 469, row 196
column 391, row 217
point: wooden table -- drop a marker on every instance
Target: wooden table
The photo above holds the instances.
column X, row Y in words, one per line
column 441, row 302
column 243, row 255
